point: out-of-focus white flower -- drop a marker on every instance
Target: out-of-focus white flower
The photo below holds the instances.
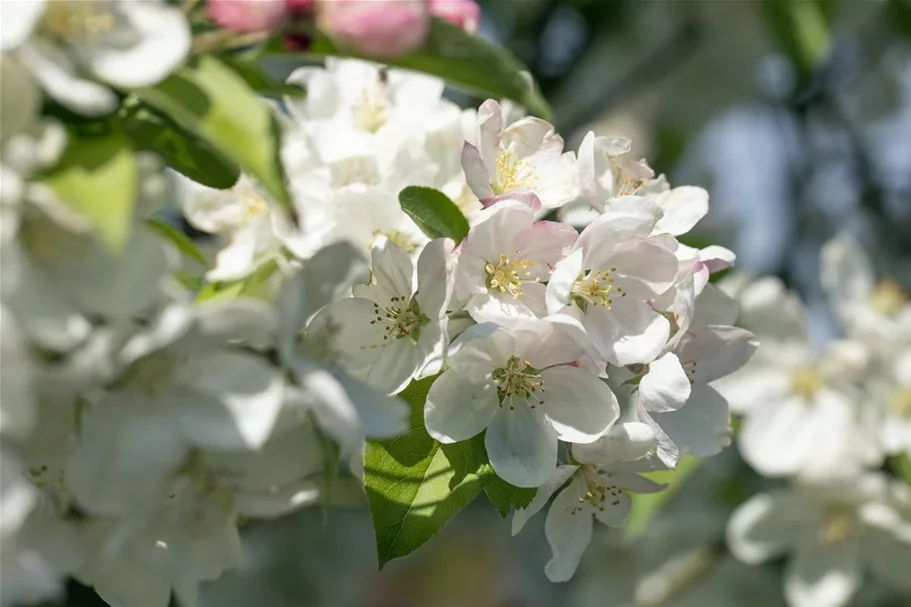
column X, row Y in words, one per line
column 524, row 386
column 615, row 269
column 346, row 408
column 833, row 531
column 524, row 157
column 395, row 325
column 801, row 413
column 607, row 469
column 183, row 386
column 505, row 259
column 120, row 43
column 244, row 216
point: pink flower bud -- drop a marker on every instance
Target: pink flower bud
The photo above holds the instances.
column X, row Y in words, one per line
column 247, row 15
column 464, row 13
column 300, row 7
column 376, row 28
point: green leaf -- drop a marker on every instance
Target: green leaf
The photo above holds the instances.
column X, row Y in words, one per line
column 801, row 30
column 186, row 154
column 433, row 212
column 901, row 464
column 331, row 460
column 502, row 495
column 254, row 285
column 97, row 179
column 180, row 240
column 415, row 484
column 208, row 99
column 465, row 61
column 646, row 505
column 259, row 80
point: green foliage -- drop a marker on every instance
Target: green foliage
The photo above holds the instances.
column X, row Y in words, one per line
column 180, row 240
column 415, row 484
column 505, row 497
column 186, row 154
column 252, row 286
column 259, row 80
column 434, row 213
column 210, row 100
column 465, row 61
column 801, row 30
column 97, row 179
column 646, row 505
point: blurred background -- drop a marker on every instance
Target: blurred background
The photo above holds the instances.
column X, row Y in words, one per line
column 796, row 116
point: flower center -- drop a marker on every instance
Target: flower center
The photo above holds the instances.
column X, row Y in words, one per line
column 513, row 173
column 900, row 401
column 78, row 20
column 596, row 287
column 372, row 112
column 253, row 203
column 400, row 318
column 507, row 274
column 837, row 525
column 888, row 298
column 518, row 378
column 597, row 493
column 806, row 382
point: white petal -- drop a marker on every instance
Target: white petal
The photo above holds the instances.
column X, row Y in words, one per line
column 846, row 274
column 630, row 332
column 246, row 394
column 521, row 444
column 625, row 442
column 568, row 529
column 665, row 387
column 19, row 19
column 128, row 448
column 763, row 527
column 395, row 366
column 481, row 349
column 683, row 207
column 355, row 329
column 715, row 351
column 476, row 171
column 577, row 403
column 164, row 41
column 522, row 515
column 702, row 427
column 392, row 268
column 562, row 280
column 822, row 576
column 276, row 502
column 57, row 75
column 381, row 416
column 434, row 287
column 616, row 509
column 458, row 407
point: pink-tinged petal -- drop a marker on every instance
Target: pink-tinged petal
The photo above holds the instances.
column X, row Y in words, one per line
column 716, row 258
column 527, row 198
column 490, row 129
column 546, row 243
column 649, row 263
column 545, row 342
column 505, row 309
column 476, row 174
column 532, row 138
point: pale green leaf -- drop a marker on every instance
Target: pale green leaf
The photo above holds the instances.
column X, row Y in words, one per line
column 97, row 179
column 209, row 99
column 414, row 484
column 179, row 240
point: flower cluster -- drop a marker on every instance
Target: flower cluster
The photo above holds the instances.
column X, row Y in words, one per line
column 826, row 420
column 147, row 412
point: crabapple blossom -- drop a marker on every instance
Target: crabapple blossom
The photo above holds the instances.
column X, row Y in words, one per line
column 394, row 326
column 834, row 532
column 607, row 469
column 525, row 387
column 505, row 259
column 375, row 28
column 524, row 157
